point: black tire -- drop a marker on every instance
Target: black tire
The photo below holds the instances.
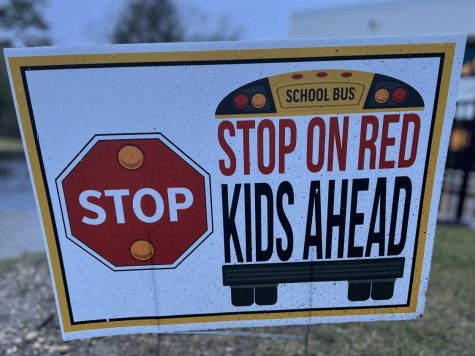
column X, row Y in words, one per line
column 382, row 290
column 266, row 295
column 358, row 291
column 242, row 297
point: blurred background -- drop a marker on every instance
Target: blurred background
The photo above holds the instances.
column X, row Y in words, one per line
column 28, row 322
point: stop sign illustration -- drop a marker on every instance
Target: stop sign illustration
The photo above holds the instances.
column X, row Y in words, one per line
column 135, row 201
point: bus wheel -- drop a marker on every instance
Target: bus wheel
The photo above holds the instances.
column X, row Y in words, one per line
column 266, row 295
column 358, row 291
column 382, row 290
column 242, row 297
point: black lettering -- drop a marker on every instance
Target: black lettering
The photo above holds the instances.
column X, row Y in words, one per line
column 264, row 190
column 311, row 95
column 352, row 93
column 344, row 93
column 336, row 94
column 401, row 183
column 355, row 217
column 314, row 210
column 229, row 223
column 285, row 188
column 318, row 94
column 379, row 203
column 289, row 96
column 336, row 220
column 248, row 221
column 294, row 96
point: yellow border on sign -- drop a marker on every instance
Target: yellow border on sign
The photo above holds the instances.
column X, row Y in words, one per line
column 16, row 63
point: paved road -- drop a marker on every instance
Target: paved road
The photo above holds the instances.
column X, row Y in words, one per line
column 20, row 230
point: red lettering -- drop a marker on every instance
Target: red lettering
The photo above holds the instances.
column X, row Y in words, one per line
column 387, row 141
column 315, row 167
column 368, row 144
column 269, row 125
column 226, row 170
column 246, row 126
column 416, row 121
column 338, row 142
column 285, row 149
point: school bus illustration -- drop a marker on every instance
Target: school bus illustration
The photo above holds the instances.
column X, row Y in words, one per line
column 304, row 93
column 319, row 92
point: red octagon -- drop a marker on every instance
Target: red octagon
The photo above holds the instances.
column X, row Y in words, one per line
column 135, row 201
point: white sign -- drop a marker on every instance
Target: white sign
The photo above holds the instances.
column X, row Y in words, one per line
column 201, row 186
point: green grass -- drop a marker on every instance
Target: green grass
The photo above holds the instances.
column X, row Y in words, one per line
column 454, row 248
column 12, row 145
column 448, row 325
column 30, row 258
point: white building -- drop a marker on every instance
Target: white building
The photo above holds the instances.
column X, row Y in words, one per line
column 387, row 18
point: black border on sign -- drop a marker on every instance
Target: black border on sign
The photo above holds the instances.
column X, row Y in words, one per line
column 24, row 69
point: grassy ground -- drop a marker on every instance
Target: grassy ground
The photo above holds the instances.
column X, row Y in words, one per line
column 448, row 326
column 8, row 144
column 28, row 323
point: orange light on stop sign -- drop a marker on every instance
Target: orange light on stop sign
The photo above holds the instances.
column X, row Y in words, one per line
column 130, row 157
column 142, row 250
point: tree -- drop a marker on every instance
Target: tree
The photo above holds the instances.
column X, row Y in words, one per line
column 21, row 24
column 146, row 21
column 149, row 21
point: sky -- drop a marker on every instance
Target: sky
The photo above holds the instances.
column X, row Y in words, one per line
column 91, row 22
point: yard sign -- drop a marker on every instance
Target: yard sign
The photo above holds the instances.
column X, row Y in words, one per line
column 200, row 186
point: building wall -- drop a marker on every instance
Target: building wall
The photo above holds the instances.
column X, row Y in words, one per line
column 387, row 18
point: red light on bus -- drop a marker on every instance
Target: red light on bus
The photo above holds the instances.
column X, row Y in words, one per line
column 346, row 74
column 297, row 76
column 241, row 101
column 322, row 74
column 399, row 95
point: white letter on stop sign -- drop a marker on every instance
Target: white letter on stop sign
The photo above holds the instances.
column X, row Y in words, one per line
column 137, row 205
column 186, row 201
column 117, row 194
column 173, row 206
column 86, row 204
